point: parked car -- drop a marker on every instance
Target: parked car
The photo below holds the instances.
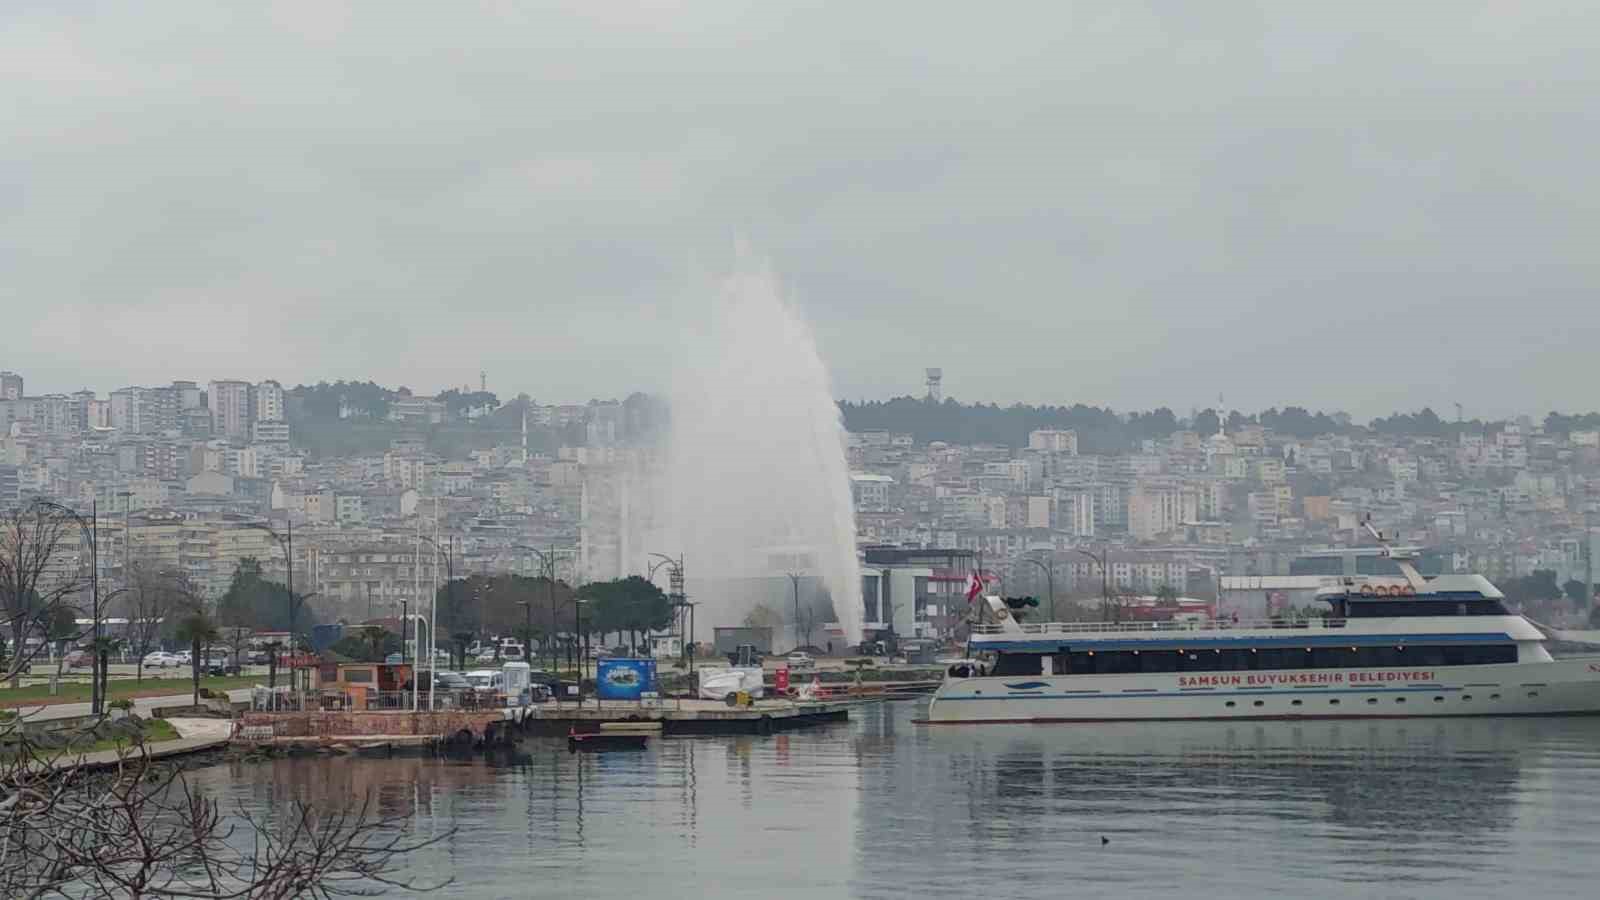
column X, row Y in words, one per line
column 219, row 664
column 448, row 682
column 800, row 660
column 487, row 681
column 160, row 659
column 78, row 659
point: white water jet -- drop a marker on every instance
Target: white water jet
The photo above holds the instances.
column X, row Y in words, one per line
column 754, row 481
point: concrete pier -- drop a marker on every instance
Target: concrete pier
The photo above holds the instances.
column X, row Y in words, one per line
column 683, row 716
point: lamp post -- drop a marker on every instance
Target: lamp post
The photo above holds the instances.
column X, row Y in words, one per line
column 404, row 625
column 1105, row 579
column 577, row 623
column 547, row 566
column 433, row 605
column 1050, row 579
column 91, row 531
column 678, row 597
column 416, row 673
column 287, row 545
column 794, row 578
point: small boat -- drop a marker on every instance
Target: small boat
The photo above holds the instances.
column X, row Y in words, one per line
column 613, row 736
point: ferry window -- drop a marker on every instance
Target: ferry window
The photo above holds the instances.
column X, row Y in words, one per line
column 1116, row 662
column 1158, row 661
column 1331, row 657
column 1234, row 660
column 1379, row 657
column 1283, row 658
column 1428, row 656
column 1490, row 655
column 1082, row 663
column 1014, row 664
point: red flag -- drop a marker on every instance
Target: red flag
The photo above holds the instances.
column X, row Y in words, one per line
column 974, row 586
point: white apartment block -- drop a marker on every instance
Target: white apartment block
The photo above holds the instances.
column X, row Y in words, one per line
column 1051, row 441
column 269, row 402
column 1157, row 509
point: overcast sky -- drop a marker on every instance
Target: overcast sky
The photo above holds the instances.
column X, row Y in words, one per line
column 1360, row 206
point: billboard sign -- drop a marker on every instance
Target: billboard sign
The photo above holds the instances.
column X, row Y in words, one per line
column 625, row 679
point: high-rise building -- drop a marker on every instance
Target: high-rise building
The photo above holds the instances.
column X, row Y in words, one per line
column 128, row 406
column 10, row 386
column 230, row 408
column 269, row 402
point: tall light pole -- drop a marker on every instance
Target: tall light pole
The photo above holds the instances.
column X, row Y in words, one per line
column 1050, row 579
column 91, row 532
column 1105, row 578
column 433, row 605
column 794, row 578
column 287, row 544
column 679, row 598
column 404, row 625
column 547, row 566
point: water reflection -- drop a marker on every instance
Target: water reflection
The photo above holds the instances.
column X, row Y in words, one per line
column 881, row 807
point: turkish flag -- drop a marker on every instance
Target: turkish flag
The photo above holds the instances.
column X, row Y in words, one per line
column 974, row 586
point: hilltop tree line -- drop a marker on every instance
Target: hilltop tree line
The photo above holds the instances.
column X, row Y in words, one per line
column 1102, row 430
column 368, row 400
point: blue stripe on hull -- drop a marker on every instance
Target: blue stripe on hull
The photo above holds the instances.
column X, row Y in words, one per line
column 1212, row 695
column 1176, row 642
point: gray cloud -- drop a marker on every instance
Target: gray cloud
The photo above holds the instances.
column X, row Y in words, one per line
column 1360, row 206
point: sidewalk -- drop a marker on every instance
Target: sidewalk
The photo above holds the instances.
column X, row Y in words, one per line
column 143, row 706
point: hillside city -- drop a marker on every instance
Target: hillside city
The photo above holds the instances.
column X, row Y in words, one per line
column 179, row 475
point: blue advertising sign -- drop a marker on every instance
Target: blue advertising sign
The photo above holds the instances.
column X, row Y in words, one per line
column 625, row 679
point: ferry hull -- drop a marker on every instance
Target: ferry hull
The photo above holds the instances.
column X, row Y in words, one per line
column 1568, row 686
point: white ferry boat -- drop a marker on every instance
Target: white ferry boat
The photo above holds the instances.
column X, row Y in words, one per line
column 1387, row 647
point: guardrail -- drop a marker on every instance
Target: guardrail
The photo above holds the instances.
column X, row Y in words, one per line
column 1216, row 625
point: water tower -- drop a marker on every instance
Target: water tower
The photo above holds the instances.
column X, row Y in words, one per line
column 935, row 391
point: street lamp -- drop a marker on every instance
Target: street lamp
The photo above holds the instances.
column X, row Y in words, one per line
column 287, row 545
column 794, row 578
column 416, row 671
column 91, row 531
column 1105, row 579
column 679, row 598
column 404, row 624
column 433, row 605
column 1050, row 579
column 547, row 567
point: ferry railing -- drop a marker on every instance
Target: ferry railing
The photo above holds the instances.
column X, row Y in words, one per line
column 1214, row 625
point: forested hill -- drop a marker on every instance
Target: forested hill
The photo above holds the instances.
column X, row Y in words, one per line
column 1105, row 431
column 1099, row 430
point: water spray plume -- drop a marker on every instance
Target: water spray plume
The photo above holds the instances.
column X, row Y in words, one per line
column 755, row 468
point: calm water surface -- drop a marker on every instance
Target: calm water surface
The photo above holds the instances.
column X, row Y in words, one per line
column 882, row 807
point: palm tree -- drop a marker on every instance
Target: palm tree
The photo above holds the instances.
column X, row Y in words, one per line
column 101, row 648
column 198, row 629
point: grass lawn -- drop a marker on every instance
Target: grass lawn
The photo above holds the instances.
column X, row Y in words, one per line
column 39, row 694
column 155, row 731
